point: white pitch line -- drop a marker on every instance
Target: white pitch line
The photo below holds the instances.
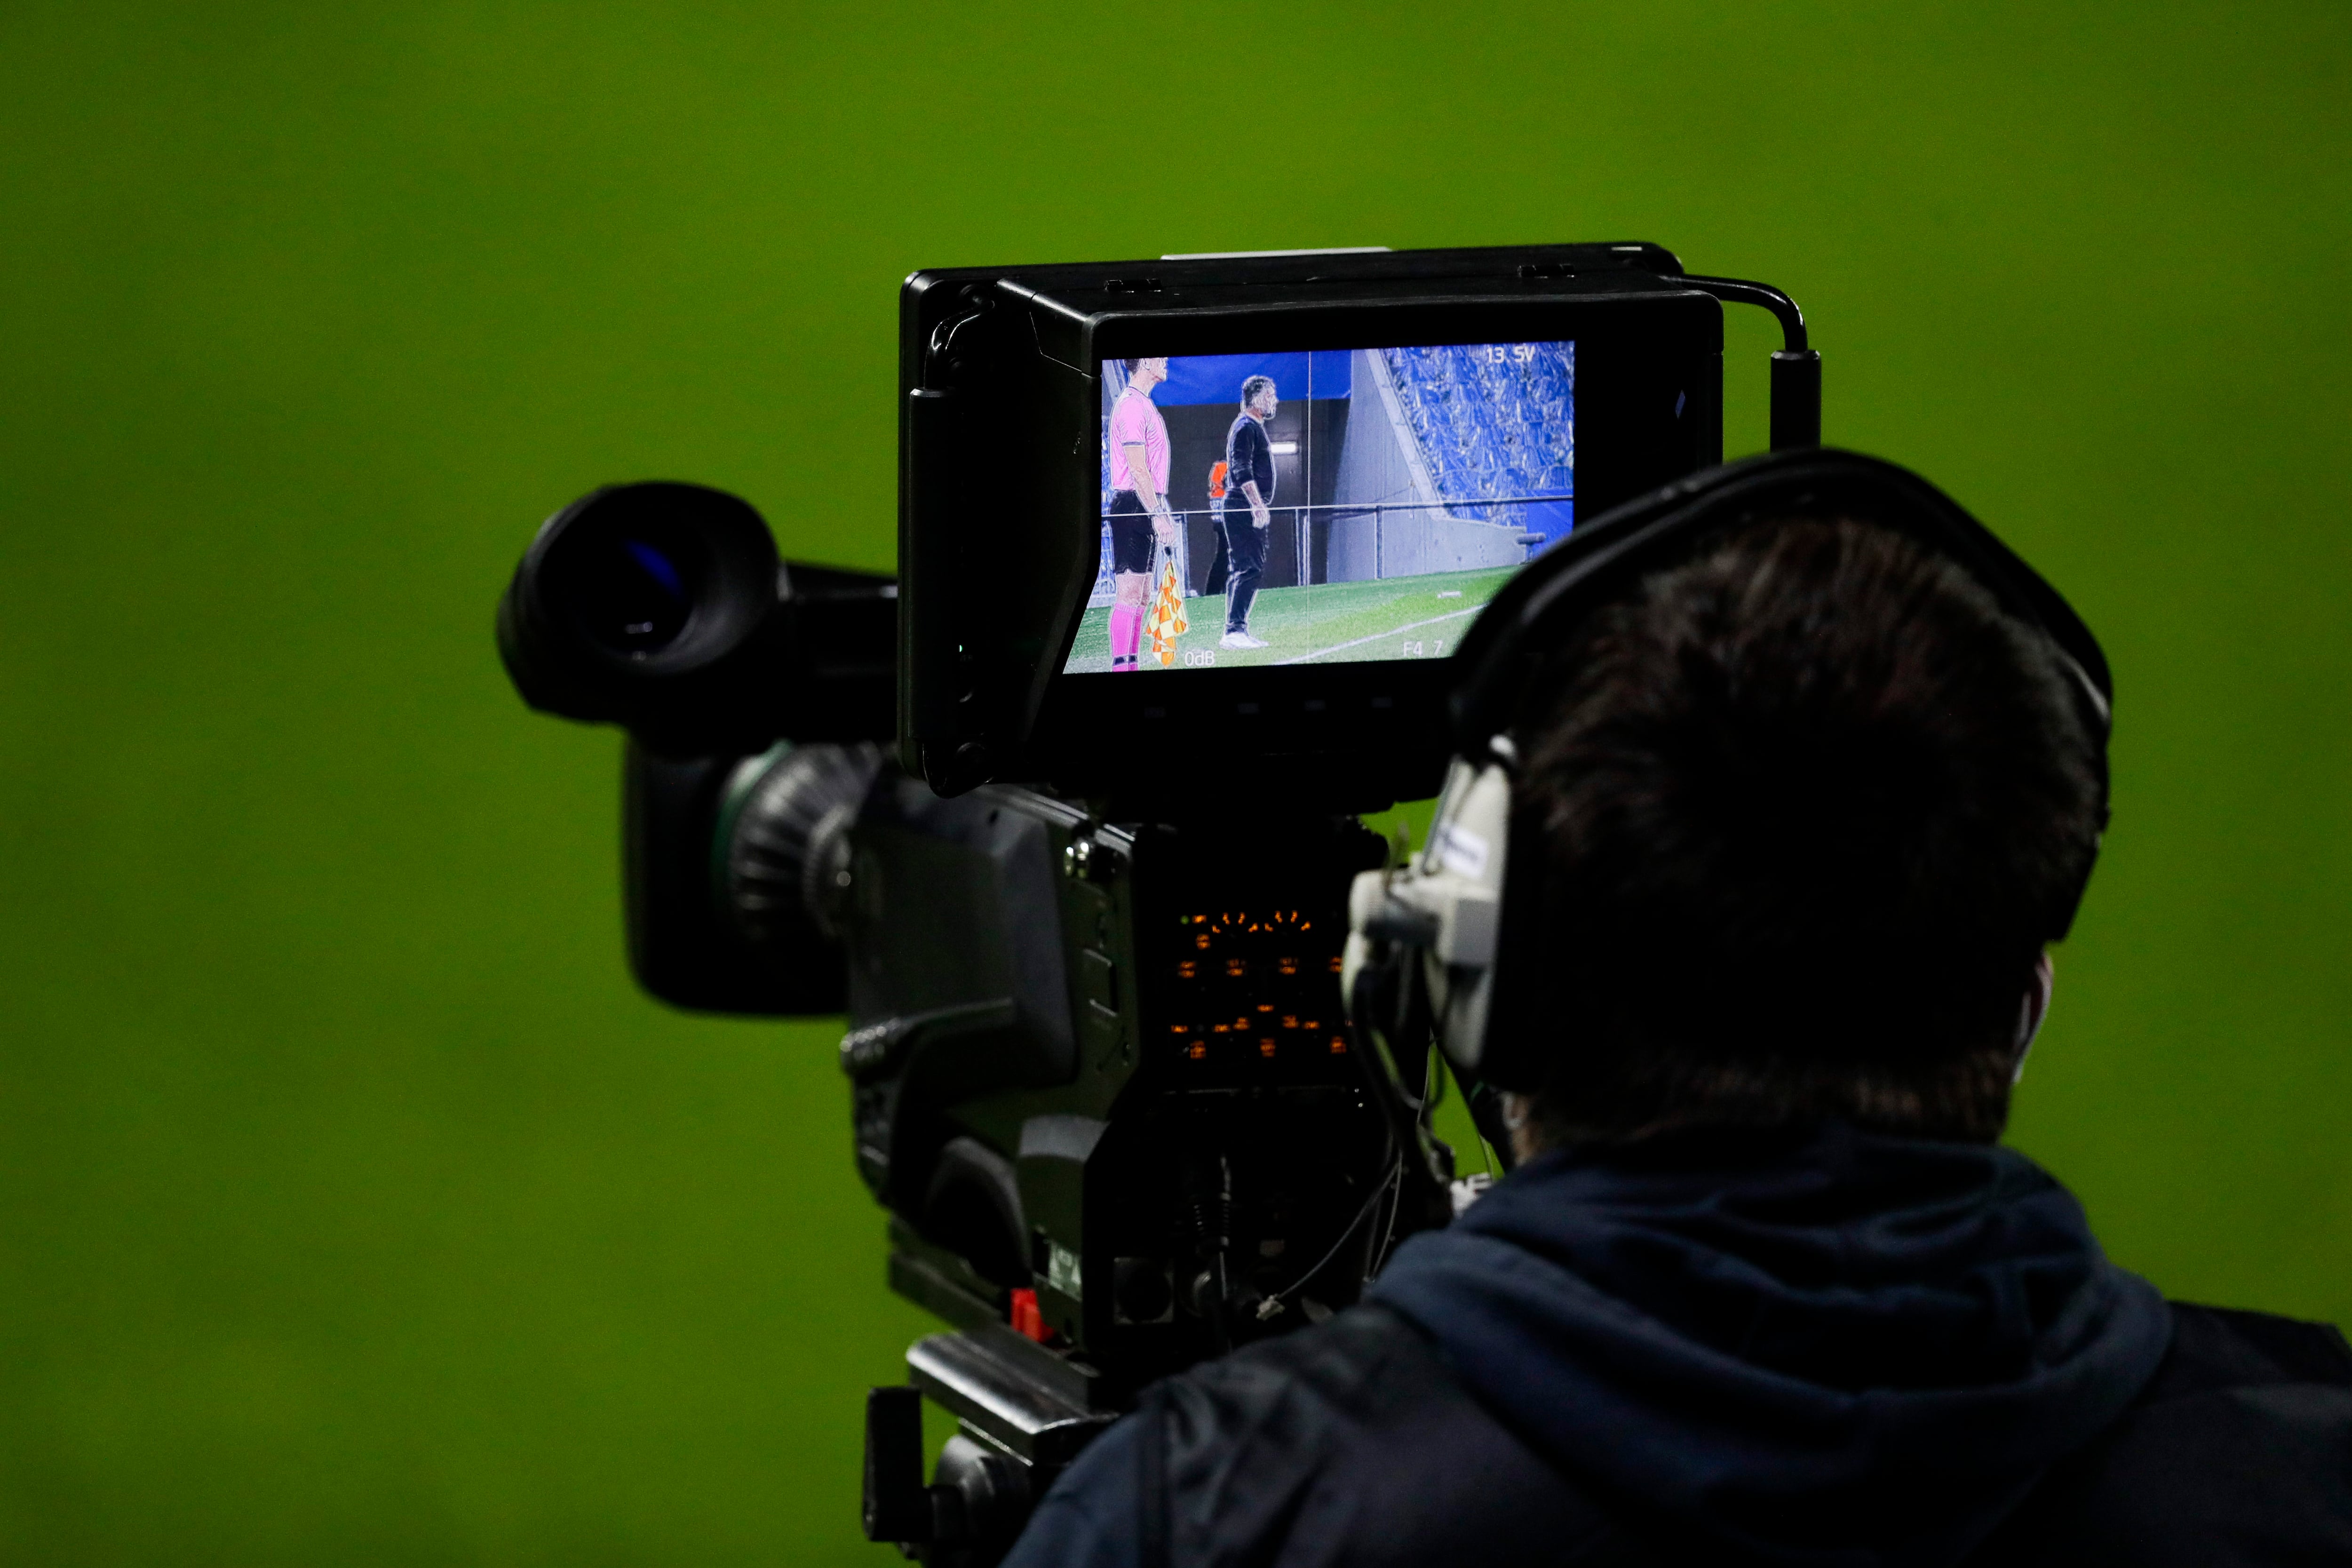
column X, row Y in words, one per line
column 1376, row 636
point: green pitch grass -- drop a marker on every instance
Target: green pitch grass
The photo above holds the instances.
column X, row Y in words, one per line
column 1326, row 623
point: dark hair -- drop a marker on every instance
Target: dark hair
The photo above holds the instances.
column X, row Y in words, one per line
column 1811, row 806
column 1255, row 385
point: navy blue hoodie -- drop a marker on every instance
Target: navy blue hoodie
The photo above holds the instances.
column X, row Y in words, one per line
column 1830, row 1349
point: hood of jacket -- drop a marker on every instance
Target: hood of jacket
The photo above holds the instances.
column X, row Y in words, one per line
column 1824, row 1348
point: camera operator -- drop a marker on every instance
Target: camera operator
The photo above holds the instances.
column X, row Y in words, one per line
column 1765, row 1287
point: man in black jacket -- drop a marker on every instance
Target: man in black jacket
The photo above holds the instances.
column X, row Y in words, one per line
column 1764, row 1287
column 1248, row 514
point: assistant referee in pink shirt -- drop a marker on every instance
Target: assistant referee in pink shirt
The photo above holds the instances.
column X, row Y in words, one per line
column 1139, row 502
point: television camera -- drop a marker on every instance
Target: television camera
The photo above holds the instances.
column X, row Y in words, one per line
column 1088, row 929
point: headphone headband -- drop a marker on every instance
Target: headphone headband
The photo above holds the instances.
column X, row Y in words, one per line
column 1535, row 610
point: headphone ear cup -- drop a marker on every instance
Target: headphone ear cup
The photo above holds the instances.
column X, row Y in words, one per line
column 1521, row 1027
column 1460, row 879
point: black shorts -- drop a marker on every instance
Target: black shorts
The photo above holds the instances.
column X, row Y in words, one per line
column 1130, row 533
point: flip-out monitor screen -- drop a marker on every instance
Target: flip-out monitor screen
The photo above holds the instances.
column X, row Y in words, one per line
column 1315, row 508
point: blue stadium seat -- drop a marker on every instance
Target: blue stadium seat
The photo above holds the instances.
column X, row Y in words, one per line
column 1490, row 424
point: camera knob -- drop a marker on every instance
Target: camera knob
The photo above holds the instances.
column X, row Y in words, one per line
column 784, row 840
column 980, row 1499
column 1141, row 1290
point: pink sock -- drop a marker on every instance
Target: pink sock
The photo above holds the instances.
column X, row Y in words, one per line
column 1126, row 626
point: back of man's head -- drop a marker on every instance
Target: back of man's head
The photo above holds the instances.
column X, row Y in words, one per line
column 1812, row 805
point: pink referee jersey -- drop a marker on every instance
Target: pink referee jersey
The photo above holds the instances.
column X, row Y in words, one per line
column 1134, row 420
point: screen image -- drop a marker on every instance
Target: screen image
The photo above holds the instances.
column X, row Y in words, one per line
column 1315, row 507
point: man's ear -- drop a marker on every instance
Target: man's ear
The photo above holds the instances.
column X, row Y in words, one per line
column 2032, row 1007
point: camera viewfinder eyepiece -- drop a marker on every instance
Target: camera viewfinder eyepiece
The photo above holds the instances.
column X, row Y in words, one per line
column 663, row 608
column 639, row 604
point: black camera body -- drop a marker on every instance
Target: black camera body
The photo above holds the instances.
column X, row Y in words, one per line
column 1087, row 930
column 1108, row 1063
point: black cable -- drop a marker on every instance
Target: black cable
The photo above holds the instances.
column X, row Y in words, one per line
column 1796, row 410
column 1388, row 1179
column 1740, row 290
column 1388, row 1232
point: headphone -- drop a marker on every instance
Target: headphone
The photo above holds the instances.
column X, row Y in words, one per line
column 1449, row 942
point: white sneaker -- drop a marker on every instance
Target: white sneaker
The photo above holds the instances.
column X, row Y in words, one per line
column 1239, row 639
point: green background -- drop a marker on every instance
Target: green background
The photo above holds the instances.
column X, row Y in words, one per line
column 355, row 1207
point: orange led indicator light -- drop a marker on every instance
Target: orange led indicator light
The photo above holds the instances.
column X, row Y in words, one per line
column 1265, row 1047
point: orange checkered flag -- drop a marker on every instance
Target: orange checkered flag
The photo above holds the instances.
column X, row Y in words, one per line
column 1165, row 623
